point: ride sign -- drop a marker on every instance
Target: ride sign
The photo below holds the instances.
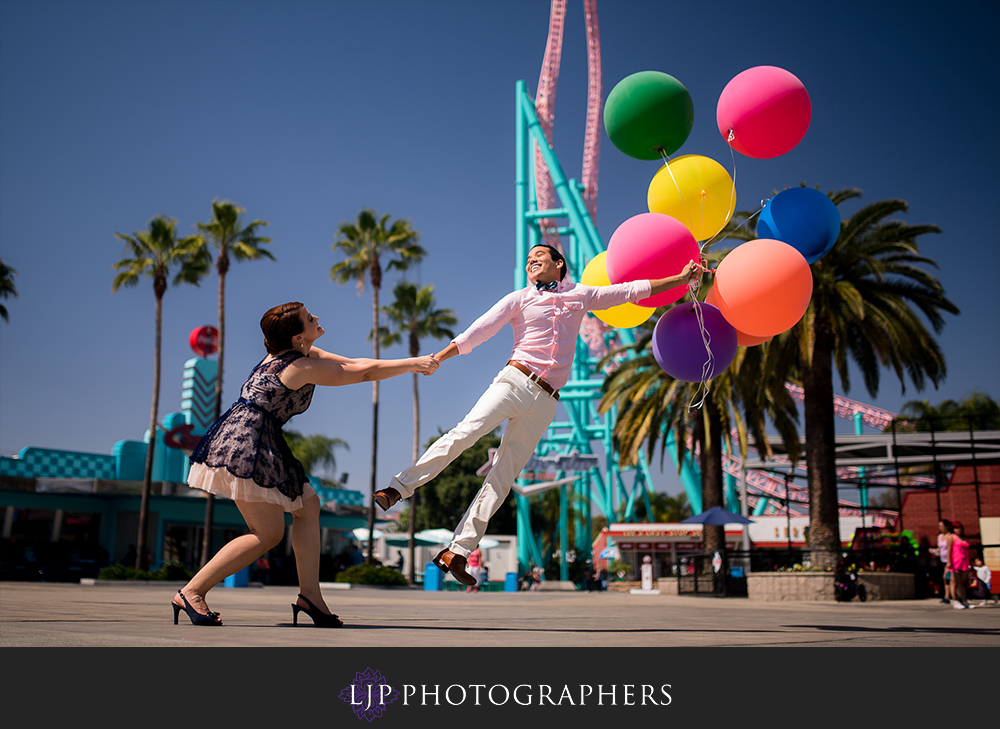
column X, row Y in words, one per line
column 204, row 340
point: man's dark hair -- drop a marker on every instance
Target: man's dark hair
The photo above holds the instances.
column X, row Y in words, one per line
column 556, row 256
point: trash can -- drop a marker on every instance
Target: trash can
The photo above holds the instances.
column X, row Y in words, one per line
column 510, row 582
column 240, row 579
column 433, row 577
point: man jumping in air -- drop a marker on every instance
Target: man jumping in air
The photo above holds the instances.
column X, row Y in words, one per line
column 546, row 317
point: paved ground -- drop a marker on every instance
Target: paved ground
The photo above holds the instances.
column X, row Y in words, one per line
column 139, row 615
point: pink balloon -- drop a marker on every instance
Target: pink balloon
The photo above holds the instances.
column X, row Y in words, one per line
column 767, row 109
column 651, row 245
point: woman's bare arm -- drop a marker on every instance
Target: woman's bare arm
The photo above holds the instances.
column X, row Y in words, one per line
column 334, row 371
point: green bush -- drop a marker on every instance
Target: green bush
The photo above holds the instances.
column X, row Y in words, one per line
column 370, row 574
column 170, row 571
column 174, row 572
column 617, row 566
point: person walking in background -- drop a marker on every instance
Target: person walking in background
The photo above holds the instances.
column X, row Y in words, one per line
column 546, row 316
column 244, row 457
column 536, row 579
column 263, row 570
column 475, row 568
column 960, row 565
column 942, row 550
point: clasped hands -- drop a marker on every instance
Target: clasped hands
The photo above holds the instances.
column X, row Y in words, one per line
column 427, row 365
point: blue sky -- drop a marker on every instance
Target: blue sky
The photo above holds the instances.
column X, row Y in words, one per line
column 306, row 112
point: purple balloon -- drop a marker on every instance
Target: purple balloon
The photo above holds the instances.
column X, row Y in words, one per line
column 679, row 344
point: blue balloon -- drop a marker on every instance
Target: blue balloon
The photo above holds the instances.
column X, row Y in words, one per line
column 802, row 217
column 679, row 344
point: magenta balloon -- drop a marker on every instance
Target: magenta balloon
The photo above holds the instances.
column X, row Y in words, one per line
column 767, row 109
column 679, row 347
column 651, row 245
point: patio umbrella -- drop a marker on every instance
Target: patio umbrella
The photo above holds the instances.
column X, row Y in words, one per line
column 361, row 534
column 436, row 536
column 717, row 516
column 403, row 540
column 444, row 536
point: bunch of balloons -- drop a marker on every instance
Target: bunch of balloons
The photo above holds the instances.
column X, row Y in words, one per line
column 763, row 287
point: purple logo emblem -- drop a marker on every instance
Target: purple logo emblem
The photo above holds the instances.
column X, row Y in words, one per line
column 369, row 694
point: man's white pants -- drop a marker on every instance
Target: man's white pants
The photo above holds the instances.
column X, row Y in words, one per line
column 529, row 411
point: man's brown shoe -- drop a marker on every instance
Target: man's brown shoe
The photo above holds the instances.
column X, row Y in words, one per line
column 448, row 561
column 387, row 498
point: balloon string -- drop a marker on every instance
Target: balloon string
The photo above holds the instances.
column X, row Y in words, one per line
column 666, row 163
column 732, row 196
column 707, row 369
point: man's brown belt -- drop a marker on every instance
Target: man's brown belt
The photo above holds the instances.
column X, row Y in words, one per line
column 535, row 378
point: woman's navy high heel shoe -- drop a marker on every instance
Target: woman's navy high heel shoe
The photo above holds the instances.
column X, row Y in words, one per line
column 197, row 618
column 319, row 618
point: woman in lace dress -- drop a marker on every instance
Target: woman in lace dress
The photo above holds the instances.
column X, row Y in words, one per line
column 244, row 457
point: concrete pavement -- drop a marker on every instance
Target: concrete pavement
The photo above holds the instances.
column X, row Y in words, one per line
column 139, row 615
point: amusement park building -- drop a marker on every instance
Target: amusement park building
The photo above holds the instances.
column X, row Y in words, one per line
column 66, row 514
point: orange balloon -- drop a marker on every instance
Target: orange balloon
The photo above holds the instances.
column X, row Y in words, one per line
column 763, row 287
column 746, row 340
column 742, row 338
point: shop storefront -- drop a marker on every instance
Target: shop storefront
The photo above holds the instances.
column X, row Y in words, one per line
column 667, row 545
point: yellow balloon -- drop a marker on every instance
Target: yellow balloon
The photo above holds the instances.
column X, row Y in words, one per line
column 695, row 190
column 623, row 316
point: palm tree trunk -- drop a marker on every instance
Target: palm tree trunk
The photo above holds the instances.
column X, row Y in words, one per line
column 412, row 543
column 824, row 517
column 711, row 479
column 147, row 476
column 206, row 537
column 222, row 344
column 416, row 418
column 371, row 508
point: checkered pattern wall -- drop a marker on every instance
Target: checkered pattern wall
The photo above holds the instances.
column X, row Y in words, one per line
column 50, row 463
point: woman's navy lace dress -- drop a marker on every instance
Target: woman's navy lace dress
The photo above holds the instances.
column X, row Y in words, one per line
column 244, row 456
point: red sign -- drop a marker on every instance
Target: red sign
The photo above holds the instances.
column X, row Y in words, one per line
column 204, row 341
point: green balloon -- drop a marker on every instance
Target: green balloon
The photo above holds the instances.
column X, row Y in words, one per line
column 648, row 114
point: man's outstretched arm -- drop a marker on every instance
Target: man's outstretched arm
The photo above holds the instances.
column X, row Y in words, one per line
column 665, row 284
column 447, row 353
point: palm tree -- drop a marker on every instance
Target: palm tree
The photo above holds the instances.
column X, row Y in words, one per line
column 867, row 291
column 231, row 239
column 977, row 411
column 314, row 450
column 666, row 509
column 7, row 288
column 651, row 404
column 413, row 315
column 156, row 253
column 364, row 242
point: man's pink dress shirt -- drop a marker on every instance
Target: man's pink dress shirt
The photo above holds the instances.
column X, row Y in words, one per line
column 546, row 323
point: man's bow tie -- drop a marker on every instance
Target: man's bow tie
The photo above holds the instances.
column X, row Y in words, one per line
column 542, row 286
